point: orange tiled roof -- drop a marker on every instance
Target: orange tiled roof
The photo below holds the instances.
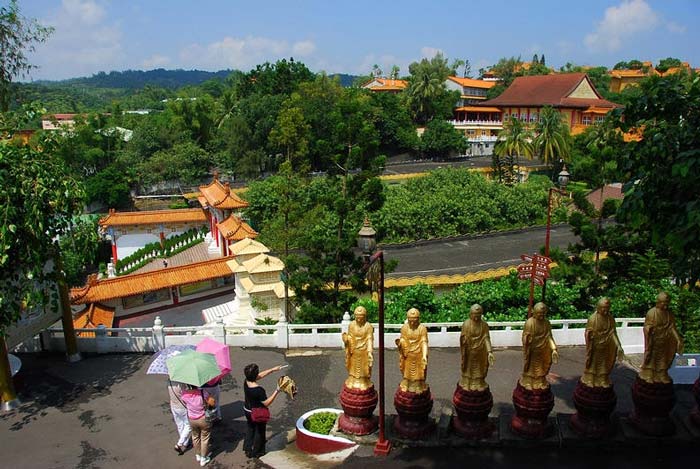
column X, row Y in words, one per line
column 219, row 196
column 473, row 83
column 609, row 191
column 153, row 217
column 386, row 84
column 633, row 73
column 127, row 285
column 596, row 110
column 235, row 229
column 92, row 316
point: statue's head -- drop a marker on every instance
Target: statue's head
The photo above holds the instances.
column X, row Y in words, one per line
column 662, row 301
column 539, row 310
column 413, row 316
column 603, row 306
column 360, row 315
column 475, row 312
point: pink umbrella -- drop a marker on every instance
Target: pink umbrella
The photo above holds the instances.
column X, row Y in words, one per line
column 220, row 352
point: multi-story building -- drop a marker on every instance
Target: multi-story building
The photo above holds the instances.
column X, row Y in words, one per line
column 480, row 125
column 572, row 94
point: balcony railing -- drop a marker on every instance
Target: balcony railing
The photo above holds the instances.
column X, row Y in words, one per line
column 476, row 122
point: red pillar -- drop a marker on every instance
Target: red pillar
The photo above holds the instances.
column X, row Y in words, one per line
column 114, row 252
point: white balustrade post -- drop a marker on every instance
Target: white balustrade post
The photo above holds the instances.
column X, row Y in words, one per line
column 282, row 332
column 101, row 339
column 219, row 331
column 345, row 323
column 158, row 335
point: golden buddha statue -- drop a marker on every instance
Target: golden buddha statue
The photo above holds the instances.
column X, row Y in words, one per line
column 661, row 342
column 413, row 353
column 602, row 346
column 539, row 350
column 359, row 341
column 477, row 355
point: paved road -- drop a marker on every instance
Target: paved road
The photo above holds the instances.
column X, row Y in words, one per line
column 105, row 412
column 474, row 162
column 472, row 254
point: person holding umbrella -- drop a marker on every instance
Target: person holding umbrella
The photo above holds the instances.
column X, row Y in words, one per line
column 195, row 369
column 177, row 407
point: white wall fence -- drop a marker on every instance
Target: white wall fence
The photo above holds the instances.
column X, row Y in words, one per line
column 284, row 335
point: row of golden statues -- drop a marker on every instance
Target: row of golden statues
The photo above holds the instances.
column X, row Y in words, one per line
column 661, row 342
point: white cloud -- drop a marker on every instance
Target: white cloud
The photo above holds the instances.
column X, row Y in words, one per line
column 155, row 61
column 82, row 43
column 430, row 52
column 620, row 23
column 674, row 27
column 303, row 48
column 241, row 53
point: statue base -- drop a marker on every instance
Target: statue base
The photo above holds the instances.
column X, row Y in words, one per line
column 653, row 403
column 594, row 405
column 532, row 407
column 695, row 414
column 413, row 421
column 473, row 408
column 358, row 406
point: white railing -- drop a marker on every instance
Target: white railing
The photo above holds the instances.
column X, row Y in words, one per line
column 284, row 335
column 476, row 122
column 482, row 138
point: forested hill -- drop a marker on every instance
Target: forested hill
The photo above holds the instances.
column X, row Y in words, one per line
column 132, row 89
column 136, row 79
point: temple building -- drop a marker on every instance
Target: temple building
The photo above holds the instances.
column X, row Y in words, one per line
column 572, row 94
column 385, row 85
column 479, row 125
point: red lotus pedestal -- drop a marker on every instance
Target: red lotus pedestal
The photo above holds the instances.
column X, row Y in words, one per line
column 652, row 408
column 532, row 408
column 413, row 421
column 358, row 406
column 594, row 405
column 695, row 414
column 473, row 408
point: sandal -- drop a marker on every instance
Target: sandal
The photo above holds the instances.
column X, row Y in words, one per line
column 179, row 450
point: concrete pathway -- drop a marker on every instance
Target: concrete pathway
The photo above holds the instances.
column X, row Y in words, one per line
column 105, row 412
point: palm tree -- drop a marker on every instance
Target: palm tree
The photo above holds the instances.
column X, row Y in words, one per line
column 553, row 141
column 515, row 140
column 423, row 90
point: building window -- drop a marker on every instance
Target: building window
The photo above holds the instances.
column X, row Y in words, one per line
column 586, row 120
column 599, row 119
column 533, row 117
column 523, row 117
column 146, row 298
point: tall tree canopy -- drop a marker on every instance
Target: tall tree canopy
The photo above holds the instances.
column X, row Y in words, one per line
column 18, row 36
column 662, row 195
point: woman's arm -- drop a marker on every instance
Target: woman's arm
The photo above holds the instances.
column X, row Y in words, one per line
column 267, row 402
column 262, row 374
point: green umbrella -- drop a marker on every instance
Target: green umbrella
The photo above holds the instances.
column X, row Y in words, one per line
column 195, row 368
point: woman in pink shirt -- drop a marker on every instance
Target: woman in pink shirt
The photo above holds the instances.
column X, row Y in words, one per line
column 195, row 400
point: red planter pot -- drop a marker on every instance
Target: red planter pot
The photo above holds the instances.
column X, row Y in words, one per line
column 315, row 443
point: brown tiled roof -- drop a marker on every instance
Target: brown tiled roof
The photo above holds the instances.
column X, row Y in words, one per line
column 153, row 217
column 547, row 90
column 220, row 196
column 472, row 83
column 609, row 191
column 235, row 229
column 92, row 316
column 127, row 285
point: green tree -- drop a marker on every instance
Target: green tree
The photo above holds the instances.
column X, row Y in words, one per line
column 441, row 140
column 427, row 95
column 552, row 140
column 291, row 134
column 514, row 141
column 662, row 193
column 668, row 62
column 79, row 246
column 39, row 197
column 18, row 36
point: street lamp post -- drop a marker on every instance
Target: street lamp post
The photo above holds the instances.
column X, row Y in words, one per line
column 374, row 263
column 563, row 180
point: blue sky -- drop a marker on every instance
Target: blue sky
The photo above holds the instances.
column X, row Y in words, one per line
column 351, row 36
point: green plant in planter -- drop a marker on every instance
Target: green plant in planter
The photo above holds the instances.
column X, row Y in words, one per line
column 321, row 422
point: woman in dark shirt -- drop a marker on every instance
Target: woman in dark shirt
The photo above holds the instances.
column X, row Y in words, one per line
column 255, row 396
